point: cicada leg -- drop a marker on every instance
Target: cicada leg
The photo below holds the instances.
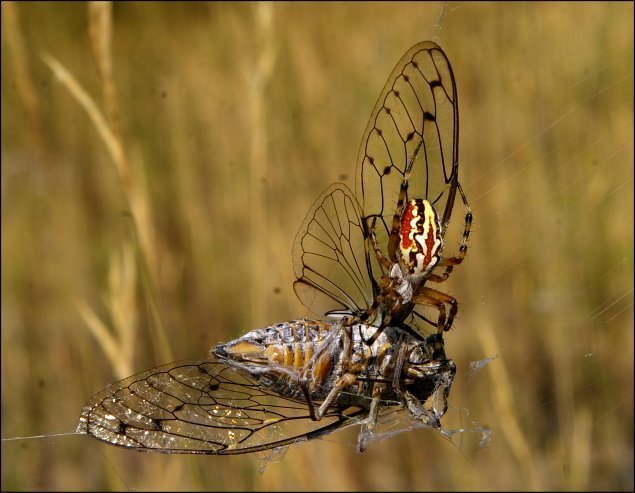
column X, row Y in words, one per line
column 349, row 373
column 370, row 422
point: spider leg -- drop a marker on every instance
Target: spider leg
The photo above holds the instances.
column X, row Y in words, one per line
column 395, row 235
column 395, row 231
column 385, row 297
column 437, row 299
column 383, row 261
column 386, row 319
column 399, row 364
column 414, row 405
column 450, row 262
column 371, row 312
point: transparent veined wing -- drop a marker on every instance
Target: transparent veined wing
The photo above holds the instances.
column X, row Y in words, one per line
column 202, row 407
column 329, row 257
column 412, row 136
column 412, row 133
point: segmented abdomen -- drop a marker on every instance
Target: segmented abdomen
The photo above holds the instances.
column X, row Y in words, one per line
column 280, row 355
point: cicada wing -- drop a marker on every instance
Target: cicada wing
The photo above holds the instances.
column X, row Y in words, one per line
column 200, row 407
column 329, row 256
column 412, row 134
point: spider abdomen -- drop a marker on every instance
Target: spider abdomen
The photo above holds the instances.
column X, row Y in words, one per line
column 420, row 243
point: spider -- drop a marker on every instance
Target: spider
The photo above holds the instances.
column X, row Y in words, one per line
column 415, row 249
column 410, row 145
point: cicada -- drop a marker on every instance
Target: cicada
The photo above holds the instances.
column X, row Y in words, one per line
column 258, row 392
column 363, row 262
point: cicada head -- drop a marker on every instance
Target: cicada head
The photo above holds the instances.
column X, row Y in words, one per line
column 428, row 377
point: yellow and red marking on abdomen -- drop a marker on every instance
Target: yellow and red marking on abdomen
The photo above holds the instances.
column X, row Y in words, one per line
column 420, row 244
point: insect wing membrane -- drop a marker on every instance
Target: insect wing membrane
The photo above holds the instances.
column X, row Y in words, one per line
column 416, row 115
column 200, row 407
column 212, row 407
column 329, row 257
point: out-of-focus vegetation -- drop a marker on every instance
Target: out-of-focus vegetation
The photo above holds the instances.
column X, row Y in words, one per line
column 169, row 228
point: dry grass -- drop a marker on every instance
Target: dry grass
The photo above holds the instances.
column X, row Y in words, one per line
column 156, row 168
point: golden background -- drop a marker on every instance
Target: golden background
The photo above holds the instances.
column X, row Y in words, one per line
column 152, row 237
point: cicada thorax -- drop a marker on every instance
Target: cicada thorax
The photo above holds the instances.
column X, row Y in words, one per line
column 420, row 246
column 284, row 355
